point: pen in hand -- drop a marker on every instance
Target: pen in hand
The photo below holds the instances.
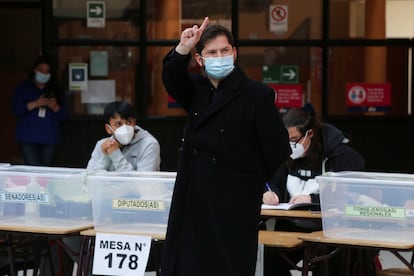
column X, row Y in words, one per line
column 268, row 187
column 270, row 190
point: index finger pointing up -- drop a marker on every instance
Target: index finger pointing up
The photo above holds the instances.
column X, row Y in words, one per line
column 204, row 25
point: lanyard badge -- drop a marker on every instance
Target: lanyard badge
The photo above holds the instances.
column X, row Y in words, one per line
column 42, row 112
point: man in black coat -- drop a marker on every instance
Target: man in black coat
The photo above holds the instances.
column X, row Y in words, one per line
column 234, row 139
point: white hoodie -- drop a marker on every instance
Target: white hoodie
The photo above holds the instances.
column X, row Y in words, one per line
column 142, row 154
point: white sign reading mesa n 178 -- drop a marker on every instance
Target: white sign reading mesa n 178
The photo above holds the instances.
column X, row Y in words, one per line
column 95, row 14
column 117, row 254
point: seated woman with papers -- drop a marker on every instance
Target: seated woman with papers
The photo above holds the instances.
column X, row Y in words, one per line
column 316, row 149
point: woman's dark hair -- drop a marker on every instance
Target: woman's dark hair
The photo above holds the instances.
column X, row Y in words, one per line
column 123, row 109
column 303, row 120
column 210, row 32
column 53, row 89
column 39, row 60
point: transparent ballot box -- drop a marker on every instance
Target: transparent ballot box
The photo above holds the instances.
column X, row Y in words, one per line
column 39, row 196
column 131, row 202
column 368, row 206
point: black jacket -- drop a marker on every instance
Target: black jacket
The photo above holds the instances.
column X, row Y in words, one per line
column 229, row 149
column 338, row 155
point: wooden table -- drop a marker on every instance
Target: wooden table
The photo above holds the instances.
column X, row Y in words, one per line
column 40, row 230
column 312, row 241
column 280, row 239
column 46, row 226
column 297, row 214
column 283, row 241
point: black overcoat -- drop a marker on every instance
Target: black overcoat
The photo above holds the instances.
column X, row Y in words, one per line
column 230, row 147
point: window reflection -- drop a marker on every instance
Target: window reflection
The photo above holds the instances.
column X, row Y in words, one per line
column 294, row 19
column 121, row 68
column 347, row 66
column 166, row 19
column 283, row 68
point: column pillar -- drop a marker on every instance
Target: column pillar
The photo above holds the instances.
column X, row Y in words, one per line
column 167, row 25
column 375, row 58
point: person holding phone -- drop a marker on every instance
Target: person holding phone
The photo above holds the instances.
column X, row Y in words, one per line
column 39, row 105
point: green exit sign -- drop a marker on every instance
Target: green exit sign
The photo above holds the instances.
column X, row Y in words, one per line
column 284, row 74
column 96, row 14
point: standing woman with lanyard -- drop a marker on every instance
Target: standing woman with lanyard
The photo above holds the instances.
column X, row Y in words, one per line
column 38, row 103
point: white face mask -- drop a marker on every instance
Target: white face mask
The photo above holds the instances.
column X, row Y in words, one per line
column 219, row 67
column 42, row 77
column 297, row 148
column 124, row 134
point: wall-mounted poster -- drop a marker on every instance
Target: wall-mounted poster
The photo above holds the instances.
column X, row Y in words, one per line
column 368, row 97
column 78, row 76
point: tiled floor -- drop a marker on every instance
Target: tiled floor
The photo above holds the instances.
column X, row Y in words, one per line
column 387, row 259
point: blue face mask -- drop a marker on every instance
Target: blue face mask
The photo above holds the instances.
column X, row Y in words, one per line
column 41, row 77
column 219, row 67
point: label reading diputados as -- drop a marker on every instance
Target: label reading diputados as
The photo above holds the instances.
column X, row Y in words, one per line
column 138, row 204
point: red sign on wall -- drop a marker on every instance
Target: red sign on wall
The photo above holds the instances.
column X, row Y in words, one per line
column 368, row 96
column 172, row 103
column 287, row 95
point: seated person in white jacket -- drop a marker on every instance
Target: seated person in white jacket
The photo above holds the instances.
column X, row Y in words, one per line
column 129, row 148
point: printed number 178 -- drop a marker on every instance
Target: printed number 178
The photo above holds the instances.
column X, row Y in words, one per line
column 132, row 264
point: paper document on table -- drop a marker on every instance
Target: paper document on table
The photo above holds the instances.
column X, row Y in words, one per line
column 296, row 206
column 280, row 206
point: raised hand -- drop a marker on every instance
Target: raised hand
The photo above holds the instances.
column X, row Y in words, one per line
column 190, row 37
